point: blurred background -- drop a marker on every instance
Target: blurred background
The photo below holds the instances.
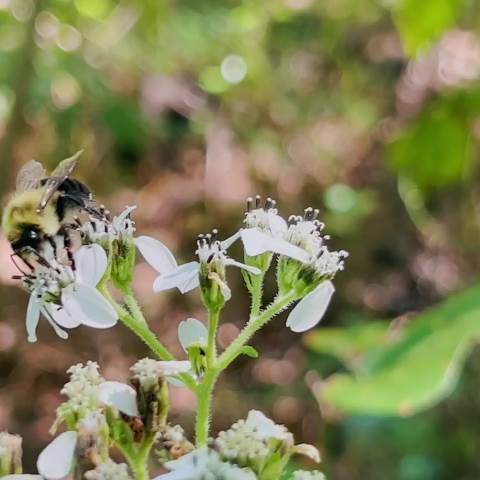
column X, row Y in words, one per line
column 366, row 109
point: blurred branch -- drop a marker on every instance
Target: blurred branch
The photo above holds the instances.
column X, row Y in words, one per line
column 20, row 83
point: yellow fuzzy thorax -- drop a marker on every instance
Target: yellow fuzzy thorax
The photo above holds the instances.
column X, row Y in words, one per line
column 22, row 210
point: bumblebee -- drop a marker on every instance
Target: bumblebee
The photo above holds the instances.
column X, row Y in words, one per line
column 44, row 208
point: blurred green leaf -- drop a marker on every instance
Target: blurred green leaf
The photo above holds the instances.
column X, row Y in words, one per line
column 350, row 344
column 422, row 22
column 420, row 369
column 436, row 150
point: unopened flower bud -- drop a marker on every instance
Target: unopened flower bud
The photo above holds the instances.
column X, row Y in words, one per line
column 173, row 444
column 10, row 454
column 92, row 443
column 149, row 381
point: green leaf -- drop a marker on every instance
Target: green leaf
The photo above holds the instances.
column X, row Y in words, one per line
column 417, row 371
column 436, row 150
column 351, row 344
column 422, row 22
column 249, row 351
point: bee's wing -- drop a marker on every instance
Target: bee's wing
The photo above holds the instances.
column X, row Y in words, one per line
column 29, row 176
column 58, row 176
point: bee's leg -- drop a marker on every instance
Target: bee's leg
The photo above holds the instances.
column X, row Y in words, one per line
column 53, row 244
column 81, row 204
column 40, row 259
column 15, row 255
column 67, row 242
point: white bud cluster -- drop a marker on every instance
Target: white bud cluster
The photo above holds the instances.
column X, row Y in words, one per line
column 242, row 444
column 109, row 471
column 10, row 450
column 305, row 475
column 82, row 390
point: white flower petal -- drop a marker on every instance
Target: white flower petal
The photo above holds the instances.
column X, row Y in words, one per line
column 190, row 283
column 59, row 331
column 191, row 463
column 228, row 242
column 308, row 450
column 56, row 460
column 182, row 277
column 249, row 268
column 89, row 307
column 61, row 316
column 173, row 367
column 191, row 331
column 33, row 316
column 91, row 262
column 278, row 226
column 266, row 428
column 157, row 255
column 311, row 308
column 255, row 242
column 120, row 396
column 117, row 221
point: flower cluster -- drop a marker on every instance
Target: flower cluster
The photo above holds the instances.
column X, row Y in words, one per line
column 71, row 288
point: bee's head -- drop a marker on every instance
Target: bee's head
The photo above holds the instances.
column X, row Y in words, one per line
column 31, row 236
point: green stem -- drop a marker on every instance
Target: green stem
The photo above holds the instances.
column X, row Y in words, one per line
column 205, row 389
column 256, row 290
column 253, row 325
column 213, row 318
column 204, row 405
column 133, row 305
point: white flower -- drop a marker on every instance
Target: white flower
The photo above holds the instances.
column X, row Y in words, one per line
column 68, row 298
column 266, row 231
column 212, row 257
column 204, row 464
column 55, row 462
column 192, row 331
column 100, row 229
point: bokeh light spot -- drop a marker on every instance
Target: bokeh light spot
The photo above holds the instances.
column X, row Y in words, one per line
column 233, row 68
column 340, row 198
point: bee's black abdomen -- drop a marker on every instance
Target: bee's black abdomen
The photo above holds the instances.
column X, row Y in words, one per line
column 73, row 194
column 75, row 188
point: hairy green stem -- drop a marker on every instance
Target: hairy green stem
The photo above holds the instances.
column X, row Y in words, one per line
column 256, row 290
column 254, row 324
column 204, row 406
column 213, row 318
column 205, row 388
